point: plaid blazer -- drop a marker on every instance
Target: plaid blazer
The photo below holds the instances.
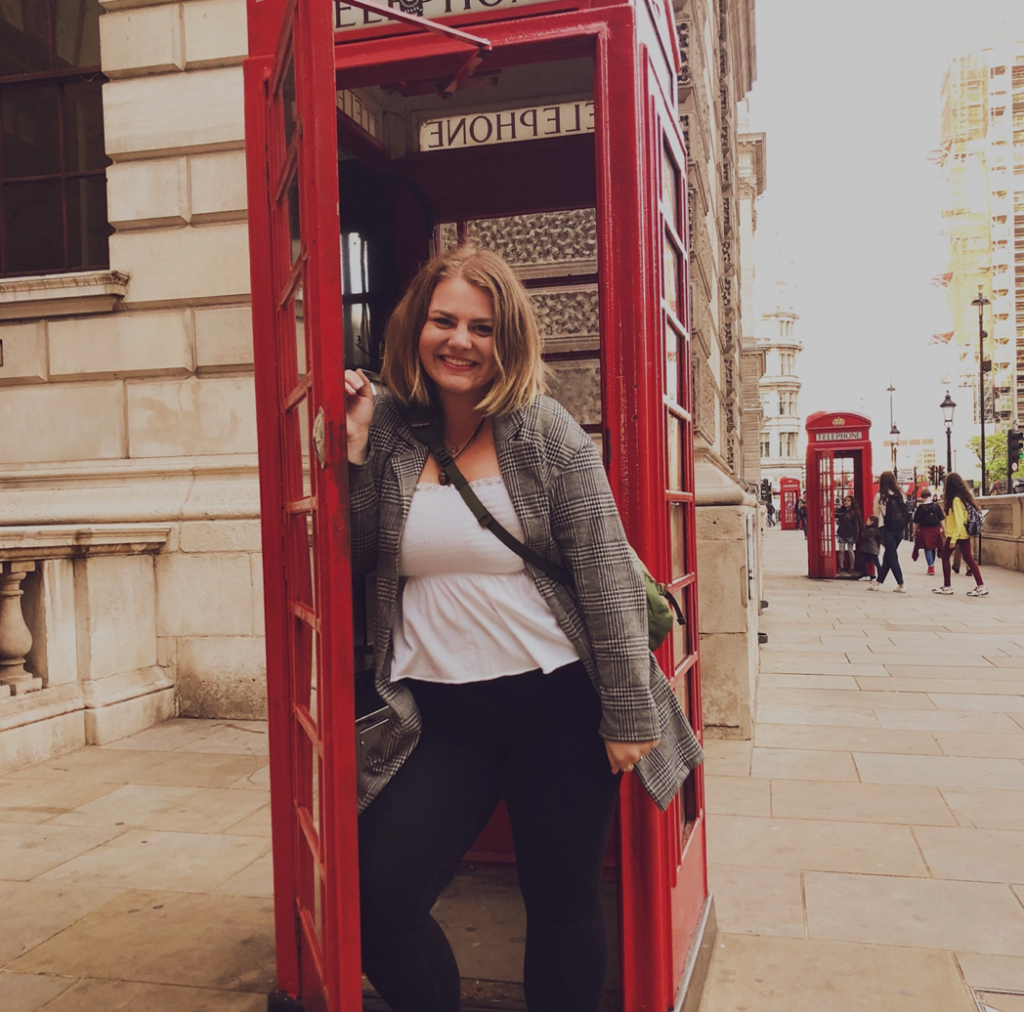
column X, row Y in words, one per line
column 561, row 496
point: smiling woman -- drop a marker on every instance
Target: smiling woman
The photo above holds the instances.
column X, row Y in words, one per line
column 504, row 683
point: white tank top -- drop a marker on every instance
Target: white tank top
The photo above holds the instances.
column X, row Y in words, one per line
column 469, row 611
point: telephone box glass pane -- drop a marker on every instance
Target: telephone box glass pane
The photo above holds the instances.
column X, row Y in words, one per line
column 674, row 444
column 671, row 270
column 670, row 187
column 294, row 222
column 302, row 412
column 673, row 356
column 301, row 363
column 677, row 537
column 680, row 633
column 288, row 104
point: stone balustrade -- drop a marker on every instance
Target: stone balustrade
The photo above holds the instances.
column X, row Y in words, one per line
column 78, row 653
column 1002, row 540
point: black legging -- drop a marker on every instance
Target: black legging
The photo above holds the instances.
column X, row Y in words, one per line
column 533, row 740
column 890, row 560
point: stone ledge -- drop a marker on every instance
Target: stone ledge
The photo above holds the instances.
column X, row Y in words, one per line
column 61, row 294
column 59, row 541
column 128, row 491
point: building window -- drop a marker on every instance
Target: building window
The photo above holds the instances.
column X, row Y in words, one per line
column 788, row 442
column 787, row 402
column 787, row 362
column 766, row 444
column 53, row 188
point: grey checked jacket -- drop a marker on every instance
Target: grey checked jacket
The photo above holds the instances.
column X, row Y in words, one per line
column 561, row 496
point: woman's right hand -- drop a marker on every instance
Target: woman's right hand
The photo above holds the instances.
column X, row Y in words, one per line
column 358, row 414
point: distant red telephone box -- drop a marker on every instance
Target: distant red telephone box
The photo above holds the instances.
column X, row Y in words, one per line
column 838, row 465
column 789, row 492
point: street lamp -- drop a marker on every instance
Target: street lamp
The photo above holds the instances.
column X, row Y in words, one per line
column 894, row 438
column 981, row 302
column 948, row 406
column 891, row 390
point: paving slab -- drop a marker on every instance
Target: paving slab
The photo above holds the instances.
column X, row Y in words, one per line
column 770, row 974
column 849, row 739
column 217, row 942
column 32, row 912
column 1003, row 973
column 919, row 912
column 986, row 809
column 864, row 803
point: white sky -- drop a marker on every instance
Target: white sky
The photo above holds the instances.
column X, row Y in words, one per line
column 849, row 96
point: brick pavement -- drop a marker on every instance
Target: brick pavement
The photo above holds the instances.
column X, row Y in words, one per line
column 867, row 849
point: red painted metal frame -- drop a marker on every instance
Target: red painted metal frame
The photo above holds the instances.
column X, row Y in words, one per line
column 313, row 841
column 659, row 860
column 821, row 546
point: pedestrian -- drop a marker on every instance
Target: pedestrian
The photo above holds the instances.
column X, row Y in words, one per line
column 870, row 543
column 848, row 525
column 503, row 683
column 928, row 529
column 801, row 516
column 770, row 508
column 891, row 509
column 957, row 502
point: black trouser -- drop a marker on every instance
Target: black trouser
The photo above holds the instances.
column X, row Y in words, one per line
column 890, row 560
column 533, row 740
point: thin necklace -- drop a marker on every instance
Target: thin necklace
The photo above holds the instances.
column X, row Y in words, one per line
column 442, row 478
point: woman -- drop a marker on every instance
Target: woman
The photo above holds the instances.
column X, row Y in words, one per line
column 956, row 496
column 801, row 516
column 503, row 683
column 891, row 509
column 928, row 529
column 848, row 527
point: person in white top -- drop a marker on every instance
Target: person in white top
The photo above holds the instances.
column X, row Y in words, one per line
column 502, row 666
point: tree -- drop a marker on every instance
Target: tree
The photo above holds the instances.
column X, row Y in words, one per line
column 995, row 455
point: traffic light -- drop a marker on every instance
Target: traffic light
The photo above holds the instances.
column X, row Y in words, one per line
column 1014, row 450
column 940, row 475
column 933, row 471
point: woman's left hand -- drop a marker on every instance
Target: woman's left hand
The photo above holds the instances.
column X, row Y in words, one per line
column 624, row 755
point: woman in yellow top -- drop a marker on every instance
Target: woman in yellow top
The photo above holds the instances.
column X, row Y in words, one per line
column 955, row 499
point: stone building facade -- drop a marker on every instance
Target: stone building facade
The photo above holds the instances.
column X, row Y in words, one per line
column 129, row 526
column 782, row 439
column 130, row 563
column 726, row 174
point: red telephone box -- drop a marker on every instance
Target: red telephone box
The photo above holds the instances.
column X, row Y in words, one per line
column 838, row 465
column 789, row 492
column 374, row 138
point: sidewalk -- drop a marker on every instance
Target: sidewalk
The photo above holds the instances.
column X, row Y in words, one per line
column 867, row 853
column 136, row 876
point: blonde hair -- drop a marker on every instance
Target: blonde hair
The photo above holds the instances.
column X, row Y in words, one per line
column 517, row 346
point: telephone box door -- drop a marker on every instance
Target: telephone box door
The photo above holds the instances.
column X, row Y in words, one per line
column 821, row 516
column 296, row 293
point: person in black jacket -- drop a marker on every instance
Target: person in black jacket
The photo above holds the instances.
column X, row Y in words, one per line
column 928, row 529
column 848, row 525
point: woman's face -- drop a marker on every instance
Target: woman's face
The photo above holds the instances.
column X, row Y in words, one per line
column 457, row 341
column 847, row 501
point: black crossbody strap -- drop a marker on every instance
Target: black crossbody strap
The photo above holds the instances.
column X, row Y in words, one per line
column 427, row 429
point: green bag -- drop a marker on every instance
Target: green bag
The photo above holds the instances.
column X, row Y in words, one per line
column 662, row 607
